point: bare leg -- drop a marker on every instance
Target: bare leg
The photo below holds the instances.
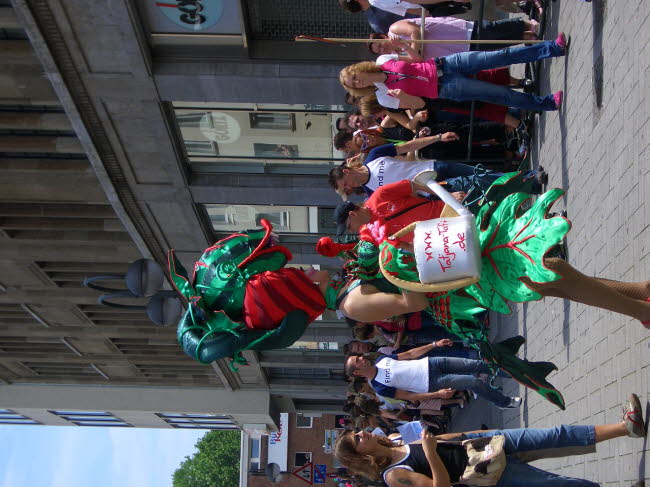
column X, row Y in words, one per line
column 366, row 303
column 634, row 290
column 608, row 431
column 587, row 290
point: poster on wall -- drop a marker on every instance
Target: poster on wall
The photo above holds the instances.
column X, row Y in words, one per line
column 278, row 443
column 193, row 16
column 340, row 420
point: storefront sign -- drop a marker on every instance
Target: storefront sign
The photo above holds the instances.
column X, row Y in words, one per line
column 220, row 127
column 278, row 443
column 192, row 14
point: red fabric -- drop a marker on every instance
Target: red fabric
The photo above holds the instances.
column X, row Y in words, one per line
column 271, row 295
column 327, row 247
column 427, row 88
column 393, row 198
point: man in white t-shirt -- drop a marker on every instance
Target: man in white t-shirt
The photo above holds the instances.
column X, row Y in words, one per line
column 418, row 379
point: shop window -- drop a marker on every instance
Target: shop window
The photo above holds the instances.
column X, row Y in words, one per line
column 252, row 138
column 272, row 121
column 275, row 150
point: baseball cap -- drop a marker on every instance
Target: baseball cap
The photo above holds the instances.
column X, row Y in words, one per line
column 341, row 213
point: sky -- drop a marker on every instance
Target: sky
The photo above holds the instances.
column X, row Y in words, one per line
column 66, row 456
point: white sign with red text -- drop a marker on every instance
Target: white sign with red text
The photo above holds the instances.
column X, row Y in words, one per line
column 278, row 443
column 447, row 249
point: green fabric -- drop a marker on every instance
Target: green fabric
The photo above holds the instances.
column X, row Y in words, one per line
column 513, row 246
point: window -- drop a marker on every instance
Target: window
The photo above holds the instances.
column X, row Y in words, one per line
column 272, row 121
column 276, row 138
column 301, row 458
column 294, row 219
column 304, row 421
column 91, row 418
column 279, row 219
column 198, row 421
column 275, row 150
column 254, row 454
column 201, row 147
column 7, row 416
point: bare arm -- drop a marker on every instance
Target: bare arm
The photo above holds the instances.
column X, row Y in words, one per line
column 401, row 477
column 423, row 396
column 396, row 118
column 439, row 473
column 406, row 28
column 416, row 353
column 431, row 2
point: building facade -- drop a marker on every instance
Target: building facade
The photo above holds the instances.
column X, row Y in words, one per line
column 128, row 128
column 301, row 448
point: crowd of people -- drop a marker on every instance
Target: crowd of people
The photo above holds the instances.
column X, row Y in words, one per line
column 411, row 114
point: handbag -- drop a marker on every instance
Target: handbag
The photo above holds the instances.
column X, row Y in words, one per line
column 486, row 460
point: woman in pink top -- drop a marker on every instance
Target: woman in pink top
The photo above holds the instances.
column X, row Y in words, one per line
column 449, row 77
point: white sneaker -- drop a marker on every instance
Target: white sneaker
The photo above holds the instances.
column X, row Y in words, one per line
column 514, row 403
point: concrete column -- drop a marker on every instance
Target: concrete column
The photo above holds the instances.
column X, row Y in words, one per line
column 34, row 121
column 8, row 19
column 122, row 402
column 25, row 84
column 61, row 145
column 17, row 52
column 46, row 186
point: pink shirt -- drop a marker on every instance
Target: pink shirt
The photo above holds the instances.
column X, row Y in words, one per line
column 426, row 83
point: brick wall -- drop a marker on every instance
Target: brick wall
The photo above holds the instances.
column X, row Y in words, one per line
column 301, row 440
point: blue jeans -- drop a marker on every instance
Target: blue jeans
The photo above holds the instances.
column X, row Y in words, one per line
column 518, row 474
column 458, row 373
column 455, row 84
column 484, row 180
column 459, row 176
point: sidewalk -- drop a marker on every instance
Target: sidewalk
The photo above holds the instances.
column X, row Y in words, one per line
column 597, row 150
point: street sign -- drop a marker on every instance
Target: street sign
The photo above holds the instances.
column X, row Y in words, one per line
column 305, row 473
column 320, row 472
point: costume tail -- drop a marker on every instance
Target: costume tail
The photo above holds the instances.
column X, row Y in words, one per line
column 531, row 374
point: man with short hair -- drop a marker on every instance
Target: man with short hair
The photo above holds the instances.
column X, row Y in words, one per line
column 344, row 142
column 393, row 206
column 388, row 163
column 419, row 379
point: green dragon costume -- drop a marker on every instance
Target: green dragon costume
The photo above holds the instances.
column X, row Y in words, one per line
column 242, row 297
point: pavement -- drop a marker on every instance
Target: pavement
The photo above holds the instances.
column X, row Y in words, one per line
column 596, row 149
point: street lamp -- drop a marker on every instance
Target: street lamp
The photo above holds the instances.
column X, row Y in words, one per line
column 143, row 278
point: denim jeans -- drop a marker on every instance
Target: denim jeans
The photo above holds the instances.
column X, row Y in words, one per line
column 518, row 474
column 458, row 373
column 484, row 180
column 454, row 84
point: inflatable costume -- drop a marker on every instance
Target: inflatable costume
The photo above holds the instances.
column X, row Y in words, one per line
column 242, row 297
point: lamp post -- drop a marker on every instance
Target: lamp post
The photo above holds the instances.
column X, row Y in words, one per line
column 143, row 278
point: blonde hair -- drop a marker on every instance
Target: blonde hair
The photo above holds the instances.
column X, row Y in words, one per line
column 368, row 105
column 367, row 465
column 363, row 67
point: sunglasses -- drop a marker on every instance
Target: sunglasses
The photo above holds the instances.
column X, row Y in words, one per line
column 356, row 440
column 366, row 141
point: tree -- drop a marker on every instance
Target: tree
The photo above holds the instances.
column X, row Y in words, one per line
column 216, row 464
